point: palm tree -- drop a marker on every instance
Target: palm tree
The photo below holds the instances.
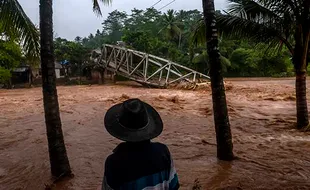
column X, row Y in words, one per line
column 78, row 39
column 221, row 119
column 278, row 23
column 171, row 26
column 202, row 64
column 57, row 151
column 15, row 24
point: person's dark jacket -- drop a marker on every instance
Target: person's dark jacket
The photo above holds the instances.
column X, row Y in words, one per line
column 137, row 166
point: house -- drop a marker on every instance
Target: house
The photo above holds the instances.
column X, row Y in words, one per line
column 60, row 71
column 21, row 75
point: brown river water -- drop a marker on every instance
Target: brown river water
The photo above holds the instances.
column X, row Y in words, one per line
column 272, row 154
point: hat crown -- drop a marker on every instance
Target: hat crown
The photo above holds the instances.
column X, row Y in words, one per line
column 133, row 114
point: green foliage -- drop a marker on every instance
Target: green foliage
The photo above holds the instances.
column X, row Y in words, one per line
column 250, row 62
column 15, row 25
column 113, row 25
column 5, row 75
column 180, row 36
column 276, row 23
column 10, row 55
column 172, row 25
column 74, row 52
column 71, row 51
column 202, row 64
column 137, row 39
column 260, row 21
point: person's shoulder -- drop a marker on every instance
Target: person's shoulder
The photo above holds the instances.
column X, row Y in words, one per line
column 160, row 146
column 115, row 150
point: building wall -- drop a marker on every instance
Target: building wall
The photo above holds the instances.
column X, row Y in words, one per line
column 57, row 72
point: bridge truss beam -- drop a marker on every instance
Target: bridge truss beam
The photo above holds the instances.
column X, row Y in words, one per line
column 146, row 68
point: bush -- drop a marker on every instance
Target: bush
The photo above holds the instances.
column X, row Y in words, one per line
column 258, row 63
column 5, row 75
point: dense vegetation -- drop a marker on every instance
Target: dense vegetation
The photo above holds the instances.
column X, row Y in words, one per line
column 171, row 35
column 10, row 57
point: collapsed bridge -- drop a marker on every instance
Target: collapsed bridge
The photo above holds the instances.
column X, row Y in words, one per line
column 145, row 68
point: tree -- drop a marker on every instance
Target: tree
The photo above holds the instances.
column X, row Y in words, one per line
column 10, row 57
column 57, row 151
column 78, row 39
column 98, row 33
column 114, row 24
column 221, row 119
column 202, row 64
column 171, row 26
column 247, row 62
column 96, row 6
column 15, row 24
column 91, row 36
column 277, row 23
column 5, row 75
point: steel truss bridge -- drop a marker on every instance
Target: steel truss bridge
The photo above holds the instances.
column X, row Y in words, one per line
column 145, row 68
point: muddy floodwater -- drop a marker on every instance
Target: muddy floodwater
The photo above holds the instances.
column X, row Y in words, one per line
column 272, row 154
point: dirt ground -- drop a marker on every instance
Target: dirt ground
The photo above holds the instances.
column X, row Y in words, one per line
column 272, row 154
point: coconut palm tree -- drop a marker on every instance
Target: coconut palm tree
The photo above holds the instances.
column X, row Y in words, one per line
column 201, row 62
column 277, row 23
column 221, row 119
column 171, row 26
column 15, row 24
column 57, row 151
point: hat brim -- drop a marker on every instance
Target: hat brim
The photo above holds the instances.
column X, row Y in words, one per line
column 150, row 131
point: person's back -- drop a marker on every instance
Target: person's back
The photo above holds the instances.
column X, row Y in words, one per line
column 137, row 163
column 143, row 165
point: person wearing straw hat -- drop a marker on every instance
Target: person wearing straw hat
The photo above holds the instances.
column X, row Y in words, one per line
column 137, row 163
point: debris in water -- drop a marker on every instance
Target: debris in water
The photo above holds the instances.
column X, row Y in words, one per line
column 197, row 185
column 174, row 99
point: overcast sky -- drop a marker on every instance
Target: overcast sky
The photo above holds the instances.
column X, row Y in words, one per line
column 75, row 17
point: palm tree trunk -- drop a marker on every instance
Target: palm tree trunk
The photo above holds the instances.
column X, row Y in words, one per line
column 57, row 151
column 301, row 100
column 221, row 120
column 180, row 40
column 300, row 64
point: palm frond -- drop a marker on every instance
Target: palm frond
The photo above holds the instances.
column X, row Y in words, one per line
column 198, row 36
column 283, row 6
column 234, row 26
column 96, row 6
column 15, row 23
column 268, row 12
column 176, row 30
column 203, row 57
column 253, row 10
column 171, row 24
